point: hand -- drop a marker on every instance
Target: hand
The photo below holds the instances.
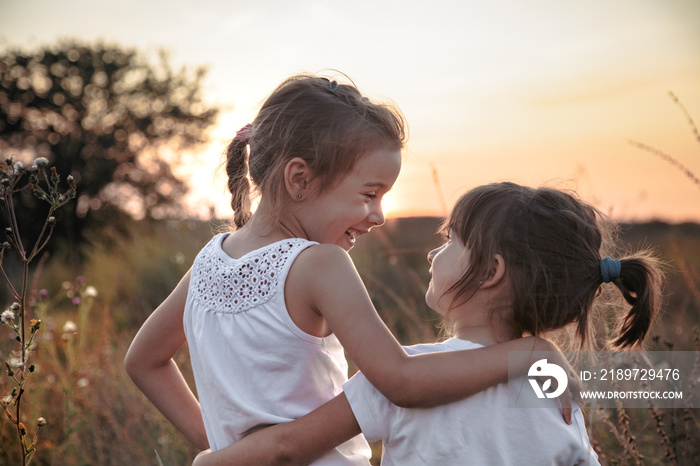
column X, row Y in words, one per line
column 566, row 398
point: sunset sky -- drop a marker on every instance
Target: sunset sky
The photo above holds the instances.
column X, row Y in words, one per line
column 533, row 91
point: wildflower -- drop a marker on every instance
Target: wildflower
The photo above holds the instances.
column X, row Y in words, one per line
column 7, row 316
column 32, row 368
column 90, row 292
column 76, row 300
column 19, row 167
column 41, row 162
column 82, row 382
column 22, row 429
column 70, row 327
column 41, row 422
column 16, row 363
column 35, row 325
column 14, row 307
column 44, row 294
column 6, row 400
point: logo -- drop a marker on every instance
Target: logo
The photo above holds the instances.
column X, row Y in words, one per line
column 542, row 369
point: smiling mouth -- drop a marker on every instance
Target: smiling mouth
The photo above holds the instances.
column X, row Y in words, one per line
column 351, row 236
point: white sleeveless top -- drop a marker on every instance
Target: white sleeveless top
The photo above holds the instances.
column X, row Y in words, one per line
column 252, row 365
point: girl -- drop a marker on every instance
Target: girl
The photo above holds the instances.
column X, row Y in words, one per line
column 264, row 309
column 517, row 261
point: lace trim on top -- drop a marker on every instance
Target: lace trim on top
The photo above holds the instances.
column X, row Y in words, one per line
column 227, row 285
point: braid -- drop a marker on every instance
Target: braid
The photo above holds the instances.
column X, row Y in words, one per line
column 238, row 184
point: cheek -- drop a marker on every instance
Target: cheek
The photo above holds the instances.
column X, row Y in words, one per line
column 436, row 289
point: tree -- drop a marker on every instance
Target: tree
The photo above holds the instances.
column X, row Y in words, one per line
column 102, row 115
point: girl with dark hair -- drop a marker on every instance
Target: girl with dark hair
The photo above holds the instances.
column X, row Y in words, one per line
column 517, row 261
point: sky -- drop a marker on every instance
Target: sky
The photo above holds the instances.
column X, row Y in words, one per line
column 532, row 91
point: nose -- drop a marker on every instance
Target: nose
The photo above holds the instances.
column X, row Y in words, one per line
column 376, row 215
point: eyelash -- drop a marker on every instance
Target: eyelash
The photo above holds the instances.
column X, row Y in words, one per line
column 371, row 196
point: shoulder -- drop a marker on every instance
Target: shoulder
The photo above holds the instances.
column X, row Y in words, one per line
column 323, row 257
column 323, row 267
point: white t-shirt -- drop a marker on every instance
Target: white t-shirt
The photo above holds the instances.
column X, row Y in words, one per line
column 252, row 365
column 479, row 430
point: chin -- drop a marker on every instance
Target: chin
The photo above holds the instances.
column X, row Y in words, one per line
column 429, row 301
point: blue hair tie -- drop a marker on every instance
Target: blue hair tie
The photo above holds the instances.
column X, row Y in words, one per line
column 333, row 86
column 610, row 269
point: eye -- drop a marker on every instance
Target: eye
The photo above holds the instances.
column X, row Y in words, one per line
column 370, row 196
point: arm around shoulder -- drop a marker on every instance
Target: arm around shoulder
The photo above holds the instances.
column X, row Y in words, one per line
column 333, row 288
column 337, row 292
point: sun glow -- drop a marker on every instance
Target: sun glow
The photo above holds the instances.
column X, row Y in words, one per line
column 388, row 207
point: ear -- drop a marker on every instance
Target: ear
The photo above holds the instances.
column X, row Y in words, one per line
column 498, row 271
column 297, row 175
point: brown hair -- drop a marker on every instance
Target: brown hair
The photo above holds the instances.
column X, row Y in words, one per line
column 327, row 124
column 552, row 244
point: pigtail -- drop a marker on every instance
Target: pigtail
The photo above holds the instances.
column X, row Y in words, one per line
column 640, row 284
column 238, row 183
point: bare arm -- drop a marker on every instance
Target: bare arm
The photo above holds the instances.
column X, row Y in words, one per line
column 336, row 291
column 294, row 443
column 150, row 365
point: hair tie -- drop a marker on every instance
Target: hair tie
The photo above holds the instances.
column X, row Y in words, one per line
column 242, row 134
column 333, row 86
column 610, row 269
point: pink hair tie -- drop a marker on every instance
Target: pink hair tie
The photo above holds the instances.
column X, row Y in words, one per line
column 242, row 134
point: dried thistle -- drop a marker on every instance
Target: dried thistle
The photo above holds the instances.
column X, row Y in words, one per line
column 14, row 177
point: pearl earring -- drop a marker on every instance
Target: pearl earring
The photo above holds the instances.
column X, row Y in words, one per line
column 298, row 195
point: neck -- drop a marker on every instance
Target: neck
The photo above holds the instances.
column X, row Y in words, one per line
column 276, row 226
column 485, row 333
column 477, row 321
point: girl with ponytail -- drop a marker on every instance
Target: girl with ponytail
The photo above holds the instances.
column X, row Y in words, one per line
column 517, row 261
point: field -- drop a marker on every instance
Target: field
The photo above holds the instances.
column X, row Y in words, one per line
column 91, row 312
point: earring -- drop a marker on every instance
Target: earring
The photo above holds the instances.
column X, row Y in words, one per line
column 481, row 283
column 298, row 195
